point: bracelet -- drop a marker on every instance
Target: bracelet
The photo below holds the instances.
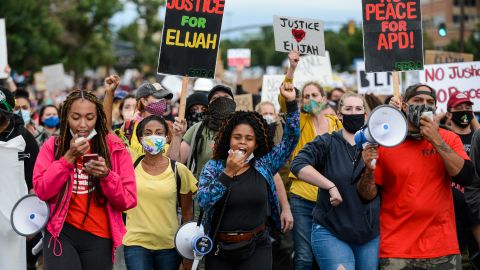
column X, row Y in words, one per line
column 289, row 80
column 332, row 187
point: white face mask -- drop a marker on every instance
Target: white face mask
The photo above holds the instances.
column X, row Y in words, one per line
column 241, row 153
column 269, row 118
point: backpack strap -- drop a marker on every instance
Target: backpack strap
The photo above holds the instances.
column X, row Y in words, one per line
column 135, row 164
column 178, row 180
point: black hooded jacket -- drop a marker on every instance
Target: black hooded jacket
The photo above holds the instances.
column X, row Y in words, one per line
column 354, row 220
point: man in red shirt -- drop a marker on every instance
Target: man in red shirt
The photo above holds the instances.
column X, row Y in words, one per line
column 417, row 219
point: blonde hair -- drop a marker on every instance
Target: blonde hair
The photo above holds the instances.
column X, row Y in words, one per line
column 341, row 103
column 259, row 106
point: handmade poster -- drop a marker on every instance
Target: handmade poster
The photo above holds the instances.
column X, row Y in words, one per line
column 3, row 50
column 239, row 57
column 378, row 83
column 442, row 57
column 244, row 102
column 304, row 35
column 392, row 35
column 54, row 77
column 191, row 37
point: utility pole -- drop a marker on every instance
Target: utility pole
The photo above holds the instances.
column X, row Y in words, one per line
column 462, row 24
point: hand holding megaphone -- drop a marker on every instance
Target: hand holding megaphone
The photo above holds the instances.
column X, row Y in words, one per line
column 370, row 155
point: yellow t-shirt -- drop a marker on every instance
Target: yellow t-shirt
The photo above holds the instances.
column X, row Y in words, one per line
column 152, row 224
column 307, row 134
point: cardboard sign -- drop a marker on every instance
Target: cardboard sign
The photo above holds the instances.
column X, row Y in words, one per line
column 305, row 35
column 191, row 37
column 271, row 89
column 392, row 35
column 441, row 57
column 238, row 57
column 446, row 79
column 54, row 77
column 3, row 50
column 378, row 83
column 244, row 102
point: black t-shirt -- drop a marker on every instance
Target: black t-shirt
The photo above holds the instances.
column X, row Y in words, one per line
column 467, row 141
column 247, row 206
column 29, row 156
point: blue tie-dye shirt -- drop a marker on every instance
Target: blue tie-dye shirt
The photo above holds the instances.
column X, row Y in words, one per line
column 211, row 190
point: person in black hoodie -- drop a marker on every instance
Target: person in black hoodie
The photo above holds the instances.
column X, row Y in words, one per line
column 18, row 152
column 345, row 230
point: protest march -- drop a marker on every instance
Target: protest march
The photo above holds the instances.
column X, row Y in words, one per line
column 242, row 135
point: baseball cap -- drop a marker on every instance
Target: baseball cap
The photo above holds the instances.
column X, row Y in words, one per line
column 458, row 98
column 219, row 88
column 412, row 91
column 7, row 102
column 155, row 89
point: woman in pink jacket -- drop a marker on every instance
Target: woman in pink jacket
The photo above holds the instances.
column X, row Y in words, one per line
column 86, row 192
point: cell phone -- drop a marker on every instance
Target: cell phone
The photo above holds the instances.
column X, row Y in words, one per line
column 89, row 157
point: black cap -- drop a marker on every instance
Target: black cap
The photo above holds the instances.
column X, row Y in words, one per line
column 197, row 98
column 156, row 90
column 7, row 102
column 219, row 88
column 412, row 91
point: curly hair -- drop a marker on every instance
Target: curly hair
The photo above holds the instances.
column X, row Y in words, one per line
column 253, row 119
column 99, row 142
column 148, row 119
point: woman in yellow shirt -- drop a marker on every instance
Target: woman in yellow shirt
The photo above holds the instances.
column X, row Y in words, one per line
column 151, row 226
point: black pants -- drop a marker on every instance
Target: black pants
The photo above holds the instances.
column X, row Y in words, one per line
column 261, row 259
column 80, row 250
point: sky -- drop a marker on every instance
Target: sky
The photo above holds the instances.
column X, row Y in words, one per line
column 260, row 12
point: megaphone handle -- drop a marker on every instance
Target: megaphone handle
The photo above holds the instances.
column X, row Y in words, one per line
column 36, row 249
column 195, row 262
column 373, row 162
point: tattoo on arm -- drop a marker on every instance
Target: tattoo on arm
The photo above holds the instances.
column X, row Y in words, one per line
column 366, row 186
column 443, row 147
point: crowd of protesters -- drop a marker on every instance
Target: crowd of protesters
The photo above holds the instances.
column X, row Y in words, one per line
column 286, row 189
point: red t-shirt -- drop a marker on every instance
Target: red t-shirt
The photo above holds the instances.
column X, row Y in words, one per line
column 97, row 220
column 417, row 218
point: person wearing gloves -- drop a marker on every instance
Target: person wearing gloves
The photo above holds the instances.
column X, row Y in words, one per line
column 86, row 176
column 237, row 190
column 345, row 230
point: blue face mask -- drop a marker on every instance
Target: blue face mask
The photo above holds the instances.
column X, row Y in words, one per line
column 51, row 121
column 25, row 115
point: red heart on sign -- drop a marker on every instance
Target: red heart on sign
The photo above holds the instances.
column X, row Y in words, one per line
column 298, row 34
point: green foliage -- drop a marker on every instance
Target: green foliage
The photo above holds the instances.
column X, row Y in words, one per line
column 145, row 38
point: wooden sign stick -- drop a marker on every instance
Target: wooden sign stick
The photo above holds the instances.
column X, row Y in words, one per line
column 396, row 84
column 183, row 98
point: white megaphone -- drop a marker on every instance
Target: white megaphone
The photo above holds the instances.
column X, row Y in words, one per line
column 29, row 216
column 192, row 243
column 386, row 126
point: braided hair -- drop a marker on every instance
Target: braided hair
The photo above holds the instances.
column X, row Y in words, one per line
column 99, row 142
column 253, row 119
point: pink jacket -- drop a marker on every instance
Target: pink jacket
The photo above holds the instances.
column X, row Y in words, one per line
column 50, row 176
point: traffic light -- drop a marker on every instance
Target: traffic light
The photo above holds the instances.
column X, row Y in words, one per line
column 442, row 29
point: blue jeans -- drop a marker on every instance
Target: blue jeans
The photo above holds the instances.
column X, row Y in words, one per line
column 302, row 216
column 332, row 252
column 139, row 258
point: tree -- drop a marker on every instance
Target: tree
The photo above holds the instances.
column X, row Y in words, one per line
column 145, row 33
column 33, row 35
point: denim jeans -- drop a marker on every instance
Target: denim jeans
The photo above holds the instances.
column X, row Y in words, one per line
column 332, row 252
column 302, row 216
column 139, row 258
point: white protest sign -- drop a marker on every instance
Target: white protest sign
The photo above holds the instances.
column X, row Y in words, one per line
column 377, row 83
column 239, row 57
column 305, row 35
column 54, row 77
column 3, row 50
column 311, row 68
column 446, row 79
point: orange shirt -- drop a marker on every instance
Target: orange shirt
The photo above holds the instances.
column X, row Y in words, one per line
column 97, row 220
column 417, row 218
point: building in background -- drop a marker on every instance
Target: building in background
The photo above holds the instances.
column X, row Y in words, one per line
column 442, row 17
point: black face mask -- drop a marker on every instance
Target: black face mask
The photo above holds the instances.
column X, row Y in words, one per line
column 415, row 112
column 194, row 118
column 462, row 118
column 353, row 122
column 219, row 110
